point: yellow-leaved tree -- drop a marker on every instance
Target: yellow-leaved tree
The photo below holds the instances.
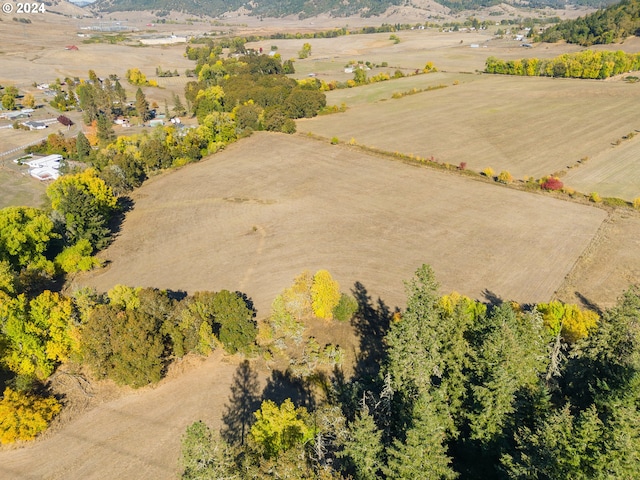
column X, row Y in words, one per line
column 568, row 320
column 40, row 334
column 325, row 294
column 279, row 428
column 24, row 416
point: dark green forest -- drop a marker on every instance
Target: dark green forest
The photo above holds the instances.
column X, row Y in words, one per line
column 449, row 388
column 613, row 24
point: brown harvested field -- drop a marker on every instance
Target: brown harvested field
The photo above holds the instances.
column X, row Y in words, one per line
column 528, row 126
column 615, row 172
column 271, row 206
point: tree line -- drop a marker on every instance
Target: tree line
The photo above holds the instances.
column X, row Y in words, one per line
column 452, row 388
column 586, row 64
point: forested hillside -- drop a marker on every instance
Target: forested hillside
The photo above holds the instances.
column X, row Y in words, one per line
column 308, row 8
column 610, row 25
column 279, row 8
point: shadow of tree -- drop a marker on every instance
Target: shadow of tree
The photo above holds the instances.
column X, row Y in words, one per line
column 282, row 385
column 493, row 299
column 125, row 205
column 371, row 323
column 588, row 303
column 244, row 400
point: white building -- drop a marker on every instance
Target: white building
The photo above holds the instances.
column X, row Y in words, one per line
column 45, row 168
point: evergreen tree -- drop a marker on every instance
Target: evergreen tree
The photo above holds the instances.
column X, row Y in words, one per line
column 142, row 106
column 178, row 108
column 105, row 131
column 497, row 380
column 427, row 352
column 120, row 94
column 423, row 454
column 363, row 449
column 83, row 147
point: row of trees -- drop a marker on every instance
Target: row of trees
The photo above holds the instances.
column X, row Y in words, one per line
column 585, row 64
column 453, row 388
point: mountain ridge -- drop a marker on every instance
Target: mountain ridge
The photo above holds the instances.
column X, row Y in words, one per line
column 311, row 8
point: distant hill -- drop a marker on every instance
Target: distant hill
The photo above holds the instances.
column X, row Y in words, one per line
column 310, row 8
column 266, row 8
column 610, row 25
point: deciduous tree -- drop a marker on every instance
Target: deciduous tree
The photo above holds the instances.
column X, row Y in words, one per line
column 24, row 416
column 325, row 294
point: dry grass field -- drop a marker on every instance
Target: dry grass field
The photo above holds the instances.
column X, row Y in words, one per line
column 271, row 206
column 18, row 189
column 528, row 126
column 127, row 435
column 615, row 172
column 609, row 266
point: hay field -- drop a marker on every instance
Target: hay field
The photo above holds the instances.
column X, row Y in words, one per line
column 615, row 172
column 528, row 126
column 271, row 206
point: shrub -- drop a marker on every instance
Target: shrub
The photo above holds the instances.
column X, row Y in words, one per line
column 636, row 203
column 334, row 141
column 595, row 197
column 462, row 166
column 488, row 172
column 505, row 177
column 346, row 308
column 615, row 202
column 552, row 183
column 429, row 67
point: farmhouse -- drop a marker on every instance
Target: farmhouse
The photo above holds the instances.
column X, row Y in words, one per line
column 15, row 115
column 33, row 125
column 45, row 168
